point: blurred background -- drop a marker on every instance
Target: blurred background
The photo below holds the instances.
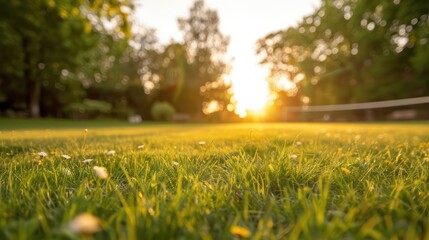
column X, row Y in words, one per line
column 214, row 60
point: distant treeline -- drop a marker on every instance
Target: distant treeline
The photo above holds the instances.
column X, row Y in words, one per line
column 350, row 51
column 85, row 59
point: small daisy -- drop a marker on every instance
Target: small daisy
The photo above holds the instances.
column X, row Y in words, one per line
column 101, row 172
column 84, row 223
column 87, row 160
column 111, row 152
column 66, row 171
column 42, row 154
column 202, row 142
column 175, row 163
column 140, row 147
column 65, row 156
column 294, row 156
column 151, row 211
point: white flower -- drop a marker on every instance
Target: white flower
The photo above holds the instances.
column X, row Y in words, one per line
column 66, row 171
column 42, row 154
column 84, row 223
column 87, row 160
column 175, row 163
column 101, row 172
column 140, row 146
column 151, row 211
column 111, row 152
column 298, row 143
column 65, row 156
column 294, row 156
column 202, row 142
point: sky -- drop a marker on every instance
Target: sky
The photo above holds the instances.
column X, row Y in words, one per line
column 244, row 21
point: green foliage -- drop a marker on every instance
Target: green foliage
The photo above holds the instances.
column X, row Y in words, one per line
column 162, row 111
column 189, row 74
column 54, row 53
column 205, row 48
column 45, row 42
column 353, row 51
column 122, row 112
column 279, row 181
column 88, row 108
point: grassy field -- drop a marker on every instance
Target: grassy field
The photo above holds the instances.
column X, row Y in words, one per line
column 262, row 181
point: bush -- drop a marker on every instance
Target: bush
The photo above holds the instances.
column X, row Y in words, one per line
column 122, row 112
column 162, row 111
column 88, row 109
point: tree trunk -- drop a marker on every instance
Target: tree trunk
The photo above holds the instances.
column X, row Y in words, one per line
column 33, row 85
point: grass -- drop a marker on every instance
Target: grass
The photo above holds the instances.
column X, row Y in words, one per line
column 276, row 181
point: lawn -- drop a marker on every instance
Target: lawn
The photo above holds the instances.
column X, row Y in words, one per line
column 213, row 181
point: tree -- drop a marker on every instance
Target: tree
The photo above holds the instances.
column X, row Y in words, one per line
column 139, row 61
column 45, row 40
column 353, row 51
column 205, row 48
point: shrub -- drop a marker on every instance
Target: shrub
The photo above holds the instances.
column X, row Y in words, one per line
column 122, row 112
column 88, row 109
column 162, row 111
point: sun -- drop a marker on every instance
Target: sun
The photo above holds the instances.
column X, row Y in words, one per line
column 251, row 92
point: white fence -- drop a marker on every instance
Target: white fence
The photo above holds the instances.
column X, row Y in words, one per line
column 359, row 106
column 367, row 106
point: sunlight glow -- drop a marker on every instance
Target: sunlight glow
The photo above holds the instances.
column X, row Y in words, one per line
column 251, row 91
column 211, row 107
column 285, row 84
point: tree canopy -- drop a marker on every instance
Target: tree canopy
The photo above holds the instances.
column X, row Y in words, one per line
column 43, row 41
column 350, row 51
column 86, row 58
